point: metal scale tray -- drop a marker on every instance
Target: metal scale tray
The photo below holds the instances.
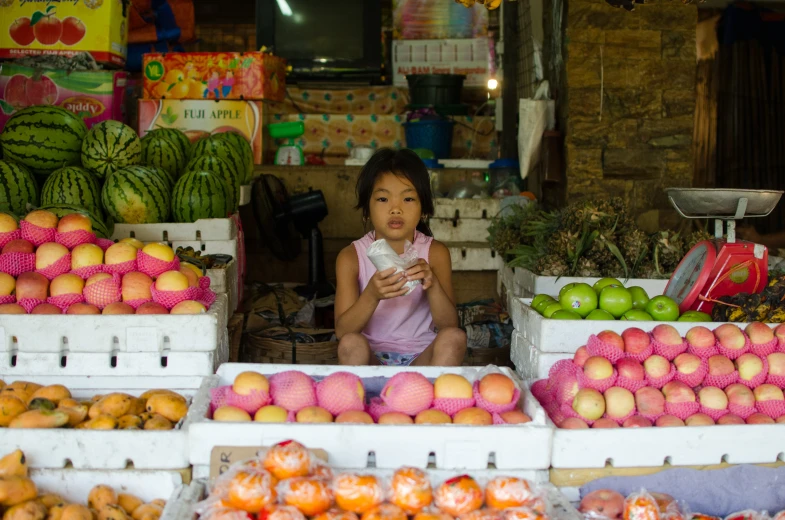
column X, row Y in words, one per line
column 723, row 204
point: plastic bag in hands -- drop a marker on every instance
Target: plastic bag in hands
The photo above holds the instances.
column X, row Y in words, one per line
column 383, row 257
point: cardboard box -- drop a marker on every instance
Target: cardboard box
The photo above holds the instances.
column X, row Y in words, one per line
column 249, row 76
column 200, row 118
column 94, row 95
column 31, row 28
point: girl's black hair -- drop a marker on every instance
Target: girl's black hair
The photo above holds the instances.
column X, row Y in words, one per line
column 405, row 163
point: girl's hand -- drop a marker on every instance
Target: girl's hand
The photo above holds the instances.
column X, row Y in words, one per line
column 384, row 285
column 421, row 271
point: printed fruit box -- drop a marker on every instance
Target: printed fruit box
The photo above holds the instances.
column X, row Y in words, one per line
column 94, row 95
column 35, row 27
column 214, row 75
column 201, row 118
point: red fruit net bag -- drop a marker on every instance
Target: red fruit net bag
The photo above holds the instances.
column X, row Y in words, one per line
column 764, row 349
column 568, row 387
column 218, row 397
column 633, row 385
column 7, row 236
column 696, row 378
column 721, row 381
column 8, row 298
column 71, row 239
column 250, row 403
column 733, row 353
column 713, row 412
column 682, row 410
column 408, row 392
column 596, row 347
column 121, row 268
column 776, row 380
column 774, row 409
column 65, row 300
column 36, row 235
column 104, row 243
column 567, row 411
column 171, row 298
column 17, row 263
column 741, row 410
column 659, row 382
column 62, row 266
column 703, row 352
column 376, row 408
column 539, row 390
column 561, row 365
column 341, row 392
column 103, row 292
column 30, row 303
column 641, row 356
column 451, row 406
column 86, row 272
column 669, row 352
column 759, row 378
column 137, row 303
column 598, row 384
column 620, row 420
column 208, row 297
column 293, row 390
column 152, row 266
column 488, row 406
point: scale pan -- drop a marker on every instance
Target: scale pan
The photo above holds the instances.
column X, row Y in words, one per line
column 722, row 202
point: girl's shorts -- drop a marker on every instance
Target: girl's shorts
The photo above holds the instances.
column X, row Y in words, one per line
column 395, row 359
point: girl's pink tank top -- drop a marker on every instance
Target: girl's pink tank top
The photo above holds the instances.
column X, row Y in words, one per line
column 404, row 324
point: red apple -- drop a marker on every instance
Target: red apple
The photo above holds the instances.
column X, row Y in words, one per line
column 581, row 355
column 657, row 366
column 678, row 392
column 46, row 308
column 19, row 245
column 597, row 367
column 636, row 421
column 612, row 339
column 720, row 366
column 31, row 285
column 635, row 340
column 667, row 334
column 151, row 308
column 630, row 369
column 700, row 337
column 687, row 363
column 603, row 503
column 650, row 401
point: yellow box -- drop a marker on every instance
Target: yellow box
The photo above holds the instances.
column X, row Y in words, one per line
column 34, row 27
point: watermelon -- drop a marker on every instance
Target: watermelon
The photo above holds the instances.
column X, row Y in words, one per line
column 175, row 135
column 43, row 138
column 167, row 177
column 17, row 188
column 214, row 164
column 224, row 149
column 244, row 147
column 73, row 185
column 200, row 194
column 109, row 146
column 103, row 228
column 136, row 195
column 162, row 152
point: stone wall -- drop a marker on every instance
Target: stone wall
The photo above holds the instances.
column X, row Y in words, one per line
column 627, row 100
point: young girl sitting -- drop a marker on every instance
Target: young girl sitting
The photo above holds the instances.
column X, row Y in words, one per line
column 376, row 321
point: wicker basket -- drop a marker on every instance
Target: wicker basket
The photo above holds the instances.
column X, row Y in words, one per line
column 257, row 347
column 479, row 357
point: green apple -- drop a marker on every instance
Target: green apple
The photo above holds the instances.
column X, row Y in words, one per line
column 636, row 315
column 566, row 315
column 565, row 289
column 602, row 283
column 543, row 305
column 550, row 309
column 662, row 308
column 541, row 298
column 599, row 314
column 694, row 316
column 639, row 297
column 580, row 298
column 615, row 300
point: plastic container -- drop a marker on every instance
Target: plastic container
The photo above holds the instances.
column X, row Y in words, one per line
column 435, row 89
column 505, row 178
column 435, row 135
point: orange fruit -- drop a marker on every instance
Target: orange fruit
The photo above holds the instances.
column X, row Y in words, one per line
column 482, row 514
column 250, row 491
column 520, row 513
column 179, row 91
column 411, row 490
column 432, row 514
column 161, row 90
column 504, row 492
column 288, row 459
column 322, row 471
column 385, row 512
column 312, row 496
column 641, row 506
column 195, row 89
column 357, row 493
column 174, row 76
column 529, row 195
column 459, row 495
column 278, row 512
column 336, row 514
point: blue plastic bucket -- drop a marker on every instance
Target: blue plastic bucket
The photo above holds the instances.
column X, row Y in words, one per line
column 435, row 135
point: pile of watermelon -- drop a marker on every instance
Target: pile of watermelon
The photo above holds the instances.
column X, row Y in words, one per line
column 113, row 175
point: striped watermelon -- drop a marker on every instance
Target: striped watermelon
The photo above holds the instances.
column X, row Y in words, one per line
column 224, row 149
column 177, row 136
column 17, row 188
column 136, row 195
column 167, row 177
column 214, row 164
column 43, row 138
column 200, row 194
column 109, row 146
column 244, row 147
column 103, row 228
column 162, row 152
column 73, row 185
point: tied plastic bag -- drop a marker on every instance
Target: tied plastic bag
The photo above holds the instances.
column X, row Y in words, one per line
column 383, row 257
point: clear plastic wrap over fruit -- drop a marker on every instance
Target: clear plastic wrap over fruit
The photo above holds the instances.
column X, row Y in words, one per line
column 383, row 257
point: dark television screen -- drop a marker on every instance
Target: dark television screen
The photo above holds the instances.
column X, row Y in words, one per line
column 319, row 30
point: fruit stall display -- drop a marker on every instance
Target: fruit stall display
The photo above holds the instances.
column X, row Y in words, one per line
column 447, row 413
column 716, row 383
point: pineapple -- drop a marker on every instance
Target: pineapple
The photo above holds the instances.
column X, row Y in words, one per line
column 697, row 236
column 552, row 265
column 634, row 246
column 563, row 244
column 587, row 268
column 668, row 251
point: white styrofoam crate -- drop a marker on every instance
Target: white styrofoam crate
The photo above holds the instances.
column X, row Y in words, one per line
column 524, row 446
column 202, row 230
column 119, row 345
column 463, row 220
column 473, row 257
column 530, row 362
column 466, row 208
column 212, row 247
column 525, row 284
column 472, row 164
column 224, row 280
column 102, row 449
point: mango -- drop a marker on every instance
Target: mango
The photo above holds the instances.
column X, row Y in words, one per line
column 128, row 502
column 112, row 512
column 137, row 406
column 56, row 512
column 146, row 416
column 173, row 407
column 13, row 465
column 101, row 496
column 96, row 398
column 158, row 422
column 41, row 403
column 39, row 419
column 126, row 422
column 159, row 502
column 21, row 389
column 76, row 512
column 54, row 393
column 10, row 407
column 51, row 500
column 147, row 395
column 116, row 405
column 30, row 510
column 147, row 512
column 102, row 422
column 15, row 490
column 77, row 412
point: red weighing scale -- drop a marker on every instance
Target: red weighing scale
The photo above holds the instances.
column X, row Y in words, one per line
column 720, row 267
